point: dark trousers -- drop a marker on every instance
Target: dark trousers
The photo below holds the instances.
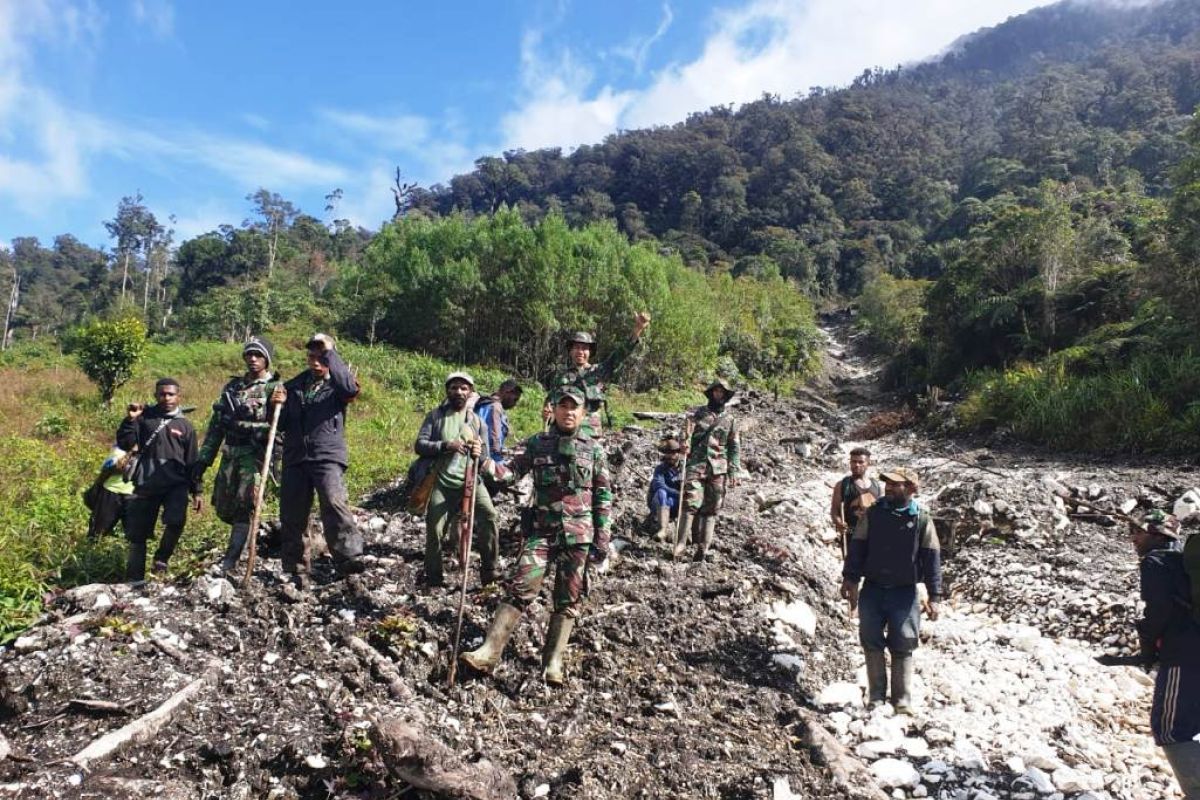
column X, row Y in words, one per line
column 889, row 616
column 106, row 513
column 327, row 480
column 141, row 515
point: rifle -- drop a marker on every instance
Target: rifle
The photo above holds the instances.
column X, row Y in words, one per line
column 466, row 517
column 260, row 490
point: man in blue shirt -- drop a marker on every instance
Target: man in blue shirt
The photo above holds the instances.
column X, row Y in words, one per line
column 893, row 548
column 663, row 495
column 492, row 410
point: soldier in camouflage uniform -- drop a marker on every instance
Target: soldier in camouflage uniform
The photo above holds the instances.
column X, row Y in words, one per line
column 238, row 430
column 591, row 379
column 713, row 462
column 570, row 528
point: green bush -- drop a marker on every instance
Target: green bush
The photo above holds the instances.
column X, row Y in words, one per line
column 891, row 311
column 109, row 350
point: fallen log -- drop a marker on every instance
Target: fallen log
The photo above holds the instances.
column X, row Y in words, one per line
column 847, row 771
column 427, row 764
column 146, row 727
column 383, row 667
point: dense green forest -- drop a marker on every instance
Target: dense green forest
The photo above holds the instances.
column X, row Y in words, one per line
column 1019, row 219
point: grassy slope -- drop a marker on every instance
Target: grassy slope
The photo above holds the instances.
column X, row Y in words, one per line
column 55, row 434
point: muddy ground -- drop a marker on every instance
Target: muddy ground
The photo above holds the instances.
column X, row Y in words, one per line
column 684, row 679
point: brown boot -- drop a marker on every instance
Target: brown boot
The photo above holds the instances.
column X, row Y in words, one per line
column 557, row 636
column 486, row 657
column 708, row 530
column 683, row 532
column 664, row 524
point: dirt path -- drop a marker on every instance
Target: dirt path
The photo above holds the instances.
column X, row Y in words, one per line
column 685, row 680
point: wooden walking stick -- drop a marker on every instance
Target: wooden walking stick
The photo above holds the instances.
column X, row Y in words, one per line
column 260, row 491
column 680, row 533
column 466, row 517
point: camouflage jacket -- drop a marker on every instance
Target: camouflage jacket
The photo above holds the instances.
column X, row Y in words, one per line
column 715, row 447
column 592, row 380
column 240, row 417
column 572, row 489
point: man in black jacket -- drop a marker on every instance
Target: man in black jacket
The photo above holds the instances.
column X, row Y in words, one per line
column 162, row 479
column 1170, row 636
column 315, row 457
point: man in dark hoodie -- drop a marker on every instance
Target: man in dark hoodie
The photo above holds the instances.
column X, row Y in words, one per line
column 1169, row 633
column 163, row 478
column 894, row 547
column 315, row 457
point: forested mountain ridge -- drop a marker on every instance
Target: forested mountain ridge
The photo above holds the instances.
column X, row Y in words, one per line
column 838, row 185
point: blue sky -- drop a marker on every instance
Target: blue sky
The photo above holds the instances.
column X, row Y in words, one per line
column 198, row 103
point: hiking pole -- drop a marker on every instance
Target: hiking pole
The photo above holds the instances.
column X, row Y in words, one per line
column 466, row 517
column 260, row 490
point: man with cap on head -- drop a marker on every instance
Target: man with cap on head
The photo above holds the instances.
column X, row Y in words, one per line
column 589, row 378
column 663, row 495
column 452, row 435
column 315, row 457
column 713, row 462
column 894, row 547
column 238, row 430
column 163, row 478
column 571, row 528
column 1169, row 633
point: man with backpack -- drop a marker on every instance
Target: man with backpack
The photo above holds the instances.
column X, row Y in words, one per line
column 894, row 547
column 853, row 495
column 493, row 412
column 1169, row 633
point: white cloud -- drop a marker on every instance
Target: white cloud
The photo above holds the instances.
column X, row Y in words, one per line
column 777, row 46
column 637, row 50
column 395, row 132
column 157, row 16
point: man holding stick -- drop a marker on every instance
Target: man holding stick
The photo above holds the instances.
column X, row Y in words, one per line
column 313, row 422
column 453, row 436
column 238, row 431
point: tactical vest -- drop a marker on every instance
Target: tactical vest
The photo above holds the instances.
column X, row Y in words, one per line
column 566, row 462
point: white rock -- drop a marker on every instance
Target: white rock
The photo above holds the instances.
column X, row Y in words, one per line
column 1188, row 505
column 1070, row 780
column 103, row 601
column 969, row 756
column 892, row 772
column 781, row 789
column 840, row 694
column 376, row 524
column 25, row 644
column 4, row 747
column 788, row 661
column 839, row 721
column 796, row 613
column 542, row 790
column 1039, row 781
column 429, row 650
column 270, row 658
column 316, row 761
column 619, row 748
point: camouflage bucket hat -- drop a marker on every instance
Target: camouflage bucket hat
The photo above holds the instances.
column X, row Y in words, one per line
column 573, row 392
column 722, row 383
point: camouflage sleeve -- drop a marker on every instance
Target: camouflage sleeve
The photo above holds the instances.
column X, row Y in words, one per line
column 212, row 439
column 734, row 449
column 619, row 354
column 602, row 500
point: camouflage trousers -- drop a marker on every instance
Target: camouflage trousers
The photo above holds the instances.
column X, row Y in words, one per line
column 236, row 483
column 704, row 494
column 539, row 551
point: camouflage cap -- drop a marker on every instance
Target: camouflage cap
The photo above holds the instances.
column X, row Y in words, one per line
column 582, row 337
column 901, row 475
column 259, row 344
column 724, row 384
column 460, row 376
column 563, row 392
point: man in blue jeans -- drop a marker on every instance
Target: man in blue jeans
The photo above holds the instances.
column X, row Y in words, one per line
column 893, row 548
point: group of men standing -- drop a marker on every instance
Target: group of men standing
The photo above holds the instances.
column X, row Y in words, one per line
column 169, row 467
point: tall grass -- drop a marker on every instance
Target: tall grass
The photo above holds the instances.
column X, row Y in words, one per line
column 1150, row 404
column 55, row 433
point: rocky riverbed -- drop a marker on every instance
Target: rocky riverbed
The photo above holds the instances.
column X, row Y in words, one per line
column 737, row 678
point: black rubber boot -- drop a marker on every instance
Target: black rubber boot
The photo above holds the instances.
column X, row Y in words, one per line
column 239, row 534
column 876, row 677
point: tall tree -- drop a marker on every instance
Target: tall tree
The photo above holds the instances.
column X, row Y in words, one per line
column 130, row 227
